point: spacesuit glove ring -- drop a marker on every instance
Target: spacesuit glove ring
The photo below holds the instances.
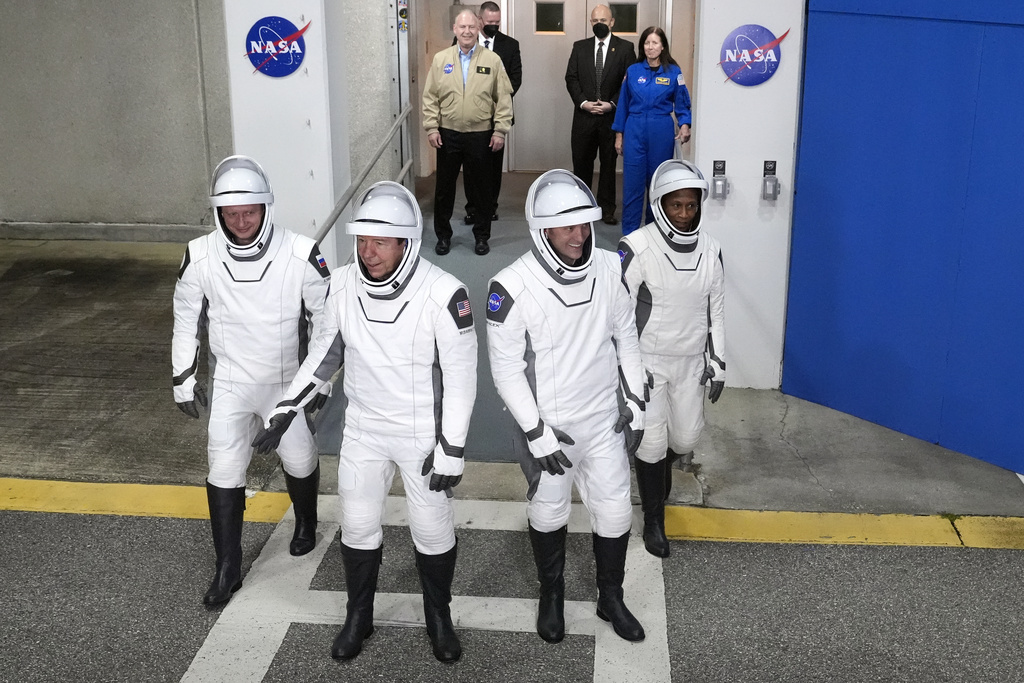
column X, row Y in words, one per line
column 447, row 468
column 554, row 463
column 318, row 401
column 270, row 436
column 189, row 407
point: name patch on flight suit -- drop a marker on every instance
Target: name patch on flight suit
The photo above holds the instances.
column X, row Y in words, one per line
column 483, row 69
column 661, row 80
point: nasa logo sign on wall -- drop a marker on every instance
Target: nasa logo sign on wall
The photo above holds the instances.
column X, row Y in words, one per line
column 751, row 55
column 275, row 46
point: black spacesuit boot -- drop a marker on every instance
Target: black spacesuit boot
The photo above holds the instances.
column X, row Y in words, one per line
column 227, row 506
column 436, row 574
column 549, row 554
column 303, row 493
column 650, row 480
column 610, row 555
column 361, row 570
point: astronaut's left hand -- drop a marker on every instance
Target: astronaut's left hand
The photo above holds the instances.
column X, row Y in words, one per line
column 447, row 470
column 270, row 436
column 320, row 400
column 632, row 420
column 714, row 370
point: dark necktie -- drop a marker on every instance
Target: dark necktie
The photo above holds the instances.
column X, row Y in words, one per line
column 599, row 66
column 487, row 43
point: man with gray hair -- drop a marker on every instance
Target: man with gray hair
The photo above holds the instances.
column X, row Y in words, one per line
column 467, row 110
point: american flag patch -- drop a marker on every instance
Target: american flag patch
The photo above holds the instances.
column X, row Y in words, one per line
column 463, row 307
column 321, row 261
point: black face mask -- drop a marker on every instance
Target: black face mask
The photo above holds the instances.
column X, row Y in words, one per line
column 601, row 31
column 491, row 30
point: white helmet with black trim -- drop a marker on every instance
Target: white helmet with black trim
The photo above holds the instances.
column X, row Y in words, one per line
column 558, row 199
column 672, row 175
column 387, row 209
column 238, row 180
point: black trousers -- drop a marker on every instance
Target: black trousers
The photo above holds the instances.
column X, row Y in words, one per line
column 470, row 152
column 497, row 161
column 592, row 136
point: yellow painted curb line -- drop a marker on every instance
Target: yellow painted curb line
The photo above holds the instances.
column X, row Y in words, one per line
column 707, row 524
column 140, row 500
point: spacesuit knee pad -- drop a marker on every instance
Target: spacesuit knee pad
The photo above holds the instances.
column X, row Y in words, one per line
column 548, row 515
column 361, row 525
column 652, row 446
column 613, row 518
column 433, row 537
column 684, row 442
column 227, row 471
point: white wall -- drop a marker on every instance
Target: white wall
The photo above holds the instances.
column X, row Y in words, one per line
column 284, row 123
column 746, row 126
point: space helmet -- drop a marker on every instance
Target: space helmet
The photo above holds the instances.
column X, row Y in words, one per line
column 559, row 199
column 239, row 180
column 387, row 209
column 672, row 175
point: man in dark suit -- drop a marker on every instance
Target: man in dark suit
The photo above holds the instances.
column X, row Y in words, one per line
column 507, row 48
column 595, row 103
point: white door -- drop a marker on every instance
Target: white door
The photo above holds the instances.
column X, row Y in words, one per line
column 546, row 31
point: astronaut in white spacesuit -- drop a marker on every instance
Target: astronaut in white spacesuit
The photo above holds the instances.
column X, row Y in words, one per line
column 256, row 290
column 561, row 337
column 677, row 281
column 404, row 330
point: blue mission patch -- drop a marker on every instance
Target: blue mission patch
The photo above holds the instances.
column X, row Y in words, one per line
column 494, row 302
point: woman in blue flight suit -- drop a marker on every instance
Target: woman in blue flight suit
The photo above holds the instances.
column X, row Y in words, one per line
column 644, row 131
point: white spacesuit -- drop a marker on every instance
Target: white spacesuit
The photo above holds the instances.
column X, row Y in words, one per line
column 562, row 339
column 676, row 280
column 256, row 290
column 410, row 353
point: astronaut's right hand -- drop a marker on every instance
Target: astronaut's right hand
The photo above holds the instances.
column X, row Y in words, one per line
column 189, row 407
column 553, row 463
column 270, row 436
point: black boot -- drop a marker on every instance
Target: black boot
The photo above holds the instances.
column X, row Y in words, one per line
column 227, row 506
column 436, row 573
column 670, row 458
column 549, row 554
column 303, row 493
column 610, row 554
column 650, row 480
column 361, row 570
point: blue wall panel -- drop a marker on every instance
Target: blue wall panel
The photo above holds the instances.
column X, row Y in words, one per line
column 886, row 255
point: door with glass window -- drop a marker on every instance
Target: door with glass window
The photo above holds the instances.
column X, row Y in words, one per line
column 546, row 31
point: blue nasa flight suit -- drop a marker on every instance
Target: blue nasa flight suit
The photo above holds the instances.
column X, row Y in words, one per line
column 646, row 102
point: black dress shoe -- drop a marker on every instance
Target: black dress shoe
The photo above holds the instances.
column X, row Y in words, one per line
column 444, row 245
column 469, row 219
column 481, row 247
column 610, row 219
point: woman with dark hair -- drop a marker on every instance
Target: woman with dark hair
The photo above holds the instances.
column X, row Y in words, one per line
column 645, row 132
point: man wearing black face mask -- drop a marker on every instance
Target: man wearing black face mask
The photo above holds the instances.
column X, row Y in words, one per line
column 593, row 77
column 507, row 48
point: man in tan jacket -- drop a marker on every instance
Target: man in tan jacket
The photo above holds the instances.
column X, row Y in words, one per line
column 467, row 110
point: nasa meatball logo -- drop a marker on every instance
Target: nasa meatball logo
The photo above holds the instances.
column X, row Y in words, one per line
column 275, row 46
column 448, row 68
column 494, row 302
column 751, row 55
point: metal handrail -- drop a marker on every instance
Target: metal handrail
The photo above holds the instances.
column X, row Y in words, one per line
column 347, row 196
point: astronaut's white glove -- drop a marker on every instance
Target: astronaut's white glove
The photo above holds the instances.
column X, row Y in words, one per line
column 447, row 467
column 318, row 401
column 187, row 394
column 277, row 424
column 546, row 449
column 714, row 370
column 632, row 419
